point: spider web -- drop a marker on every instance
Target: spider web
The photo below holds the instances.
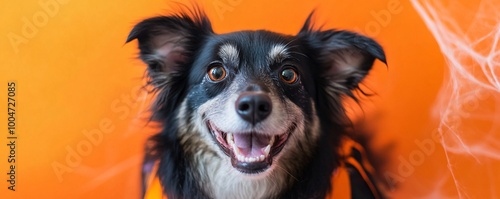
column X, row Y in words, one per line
column 468, row 106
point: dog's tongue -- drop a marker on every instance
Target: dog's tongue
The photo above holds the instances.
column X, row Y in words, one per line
column 251, row 144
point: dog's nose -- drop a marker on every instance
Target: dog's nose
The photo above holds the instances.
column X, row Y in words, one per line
column 253, row 107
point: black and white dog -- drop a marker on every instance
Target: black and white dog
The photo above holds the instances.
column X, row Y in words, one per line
column 250, row 114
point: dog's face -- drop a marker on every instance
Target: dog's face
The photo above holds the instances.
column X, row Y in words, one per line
column 250, row 104
column 251, row 94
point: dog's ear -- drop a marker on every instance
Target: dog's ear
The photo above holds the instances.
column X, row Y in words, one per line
column 344, row 57
column 167, row 43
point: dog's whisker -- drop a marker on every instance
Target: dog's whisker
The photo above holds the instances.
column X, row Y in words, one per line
column 278, row 166
column 299, row 53
column 212, row 114
column 289, row 42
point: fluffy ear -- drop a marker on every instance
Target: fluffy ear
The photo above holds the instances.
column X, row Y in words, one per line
column 344, row 57
column 167, row 43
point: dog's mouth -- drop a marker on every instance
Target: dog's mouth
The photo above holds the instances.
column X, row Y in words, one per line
column 253, row 152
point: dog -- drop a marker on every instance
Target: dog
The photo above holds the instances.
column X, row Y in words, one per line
column 250, row 114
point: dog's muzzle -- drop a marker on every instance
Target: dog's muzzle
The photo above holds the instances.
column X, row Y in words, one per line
column 251, row 152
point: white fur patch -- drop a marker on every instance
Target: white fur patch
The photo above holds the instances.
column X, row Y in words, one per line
column 277, row 54
column 229, row 53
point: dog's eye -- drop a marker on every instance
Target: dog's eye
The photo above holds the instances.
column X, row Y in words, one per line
column 289, row 76
column 216, row 73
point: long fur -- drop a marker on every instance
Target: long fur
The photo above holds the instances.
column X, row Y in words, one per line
column 338, row 61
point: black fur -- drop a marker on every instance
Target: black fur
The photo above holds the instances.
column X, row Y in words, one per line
column 325, row 80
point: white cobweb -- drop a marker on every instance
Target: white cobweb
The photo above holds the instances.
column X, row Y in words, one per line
column 468, row 105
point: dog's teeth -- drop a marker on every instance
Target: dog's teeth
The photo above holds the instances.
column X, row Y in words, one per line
column 230, row 139
column 240, row 158
column 236, row 151
column 271, row 142
column 267, row 150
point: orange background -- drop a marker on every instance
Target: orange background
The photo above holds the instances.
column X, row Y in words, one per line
column 74, row 75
